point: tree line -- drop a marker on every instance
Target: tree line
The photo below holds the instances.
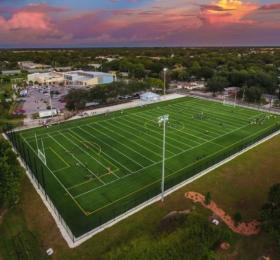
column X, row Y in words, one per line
column 10, row 176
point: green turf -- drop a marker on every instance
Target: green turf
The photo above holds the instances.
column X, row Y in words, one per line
column 100, row 167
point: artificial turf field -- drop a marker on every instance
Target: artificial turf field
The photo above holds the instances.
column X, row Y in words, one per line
column 102, row 166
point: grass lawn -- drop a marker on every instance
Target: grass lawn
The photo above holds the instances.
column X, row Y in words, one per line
column 100, row 167
column 240, row 185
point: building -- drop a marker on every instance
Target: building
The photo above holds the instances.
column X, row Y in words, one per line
column 82, row 78
column 47, row 78
column 26, row 65
column 77, row 78
column 48, row 113
column 149, row 97
column 10, row 72
column 32, row 67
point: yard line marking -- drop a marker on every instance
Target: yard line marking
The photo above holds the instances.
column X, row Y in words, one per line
column 147, row 134
column 187, row 133
column 130, row 141
column 57, row 179
column 136, row 136
column 224, row 118
column 58, row 156
column 209, row 141
column 61, row 169
column 171, row 174
column 218, row 105
column 72, row 154
column 72, row 133
column 123, row 166
column 167, row 137
column 115, row 148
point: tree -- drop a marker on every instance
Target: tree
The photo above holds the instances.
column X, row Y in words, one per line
column 155, row 83
column 217, row 84
column 10, row 176
column 253, row 94
column 270, row 213
column 208, row 198
column 237, row 218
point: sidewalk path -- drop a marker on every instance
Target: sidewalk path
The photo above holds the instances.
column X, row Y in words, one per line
column 246, row 229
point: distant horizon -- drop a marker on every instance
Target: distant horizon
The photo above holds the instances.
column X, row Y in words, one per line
column 136, row 47
column 138, row 23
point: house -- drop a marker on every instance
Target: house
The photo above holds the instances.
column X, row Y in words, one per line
column 10, row 72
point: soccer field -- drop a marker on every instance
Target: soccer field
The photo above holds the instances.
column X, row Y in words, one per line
column 101, row 166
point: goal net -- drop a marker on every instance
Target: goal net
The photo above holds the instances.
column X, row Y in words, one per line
column 229, row 101
column 41, row 151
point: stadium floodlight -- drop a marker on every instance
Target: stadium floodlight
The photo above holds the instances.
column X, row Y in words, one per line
column 164, row 80
column 163, row 120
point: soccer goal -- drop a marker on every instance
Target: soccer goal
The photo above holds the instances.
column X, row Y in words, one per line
column 229, row 101
column 41, row 150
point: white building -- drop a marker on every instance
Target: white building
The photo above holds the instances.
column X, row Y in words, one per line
column 82, row 78
column 33, row 67
column 149, row 97
column 77, row 78
column 47, row 78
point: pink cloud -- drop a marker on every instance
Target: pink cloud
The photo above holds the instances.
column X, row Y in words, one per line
column 170, row 22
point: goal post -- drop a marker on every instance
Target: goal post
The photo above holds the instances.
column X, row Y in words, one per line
column 41, row 151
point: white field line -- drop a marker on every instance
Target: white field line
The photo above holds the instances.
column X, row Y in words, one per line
column 177, row 114
column 123, row 166
column 74, row 135
column 66, row 163
column 146, row 134
column 219, row 117
column 196, row 124
column 83, row 150
column 143, row 205
column 171, row 174
column 212, row 110
column 135, row 136
column 57, row 179
column 224, row 120
column 151, row 117
column 186, row 133
column 173, row 144
column 209, row 141
column 128, row 147
column 141, row 125
column 61, row 169
column 136, row 143
column 73, row 156
column 131, row 159
column 211, row 105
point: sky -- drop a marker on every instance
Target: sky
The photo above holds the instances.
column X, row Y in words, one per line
column 136, row 23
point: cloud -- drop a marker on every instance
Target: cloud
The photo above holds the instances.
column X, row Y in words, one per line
column 159, row 22
column 226, row 12
column 269, row 7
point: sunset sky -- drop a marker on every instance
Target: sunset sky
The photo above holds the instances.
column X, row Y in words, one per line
column 83, row 23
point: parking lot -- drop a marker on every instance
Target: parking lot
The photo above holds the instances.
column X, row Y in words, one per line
column 38, row 99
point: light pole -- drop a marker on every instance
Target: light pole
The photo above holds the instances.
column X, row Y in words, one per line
column 163, row 119
column 51, row 101
column 164, row 80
